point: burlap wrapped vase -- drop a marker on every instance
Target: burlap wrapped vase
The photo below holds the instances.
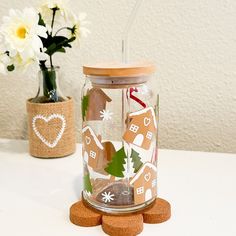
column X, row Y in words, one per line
column 51, row 128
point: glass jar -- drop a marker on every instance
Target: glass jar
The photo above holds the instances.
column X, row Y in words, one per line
column 49, row 87
column 119, row 137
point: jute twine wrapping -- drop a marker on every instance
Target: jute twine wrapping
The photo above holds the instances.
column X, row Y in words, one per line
column 51, row 128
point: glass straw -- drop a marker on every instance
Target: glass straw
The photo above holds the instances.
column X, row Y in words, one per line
column 126, row 33
column 125, row 99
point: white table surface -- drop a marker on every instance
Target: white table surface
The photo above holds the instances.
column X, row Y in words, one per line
column 35, row 194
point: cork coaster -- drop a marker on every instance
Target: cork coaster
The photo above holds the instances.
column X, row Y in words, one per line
column 130, row 225
column 84, row 216
column 120, row 225
column 159, row 212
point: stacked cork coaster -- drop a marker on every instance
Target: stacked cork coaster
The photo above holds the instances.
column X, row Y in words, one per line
column 120, row 225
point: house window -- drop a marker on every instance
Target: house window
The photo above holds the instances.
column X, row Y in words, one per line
column 140, row 190
column 154, row 183
column 92, row 154
column 149, row 135
column 134, row 128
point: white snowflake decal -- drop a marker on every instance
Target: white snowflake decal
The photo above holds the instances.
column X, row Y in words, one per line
column 106, row 115
column 107, row 197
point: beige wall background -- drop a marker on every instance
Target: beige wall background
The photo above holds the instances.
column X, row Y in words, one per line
column 192, row 42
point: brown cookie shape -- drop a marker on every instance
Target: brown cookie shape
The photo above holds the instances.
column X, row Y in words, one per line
column 129, row 225
column 84, row 216
column 159, row 212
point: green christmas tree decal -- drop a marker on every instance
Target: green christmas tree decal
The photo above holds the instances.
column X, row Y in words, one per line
column 136, row 160
column 116, row 166
column 85, row 102
column 87, row 184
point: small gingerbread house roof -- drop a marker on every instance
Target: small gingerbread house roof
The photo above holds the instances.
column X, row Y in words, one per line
column 98, row 143
column 145, row 111
column 100, row 91
column 140, row 172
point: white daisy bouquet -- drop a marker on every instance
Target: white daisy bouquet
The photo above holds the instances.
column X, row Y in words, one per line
column 31, row 36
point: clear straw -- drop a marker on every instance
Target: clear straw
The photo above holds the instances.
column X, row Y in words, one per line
column 125, row 100
column 125, row 38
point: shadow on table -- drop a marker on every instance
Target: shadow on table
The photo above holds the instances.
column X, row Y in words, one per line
column 14, row 146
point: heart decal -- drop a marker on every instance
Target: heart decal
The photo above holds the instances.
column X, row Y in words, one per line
column 147, row 176
column 87, row 140
column 47, row 119
column 147, row 121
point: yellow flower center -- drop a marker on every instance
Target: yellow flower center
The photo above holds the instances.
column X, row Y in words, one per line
column 21, row 32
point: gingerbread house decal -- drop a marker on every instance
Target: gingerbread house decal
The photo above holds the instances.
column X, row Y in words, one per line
column 144, row 183
column 97, row 103
column 92, row 147
column 142, row 128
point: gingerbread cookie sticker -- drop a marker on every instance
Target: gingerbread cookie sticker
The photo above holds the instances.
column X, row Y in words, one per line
column 142, row 128
column 145, row 183
column 92, row 147
column 96, row 100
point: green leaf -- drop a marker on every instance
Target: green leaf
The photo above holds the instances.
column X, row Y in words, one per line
column 71, row 39
column 57, row 44
column 47, row 41
column 41, row 21
column 67, row 45
column 51, row 49
column 136, row 161
column 61, row 50
column 85, row 102
column 116, row 166
column 59, row 39
column 87, row 184
column 11, row 67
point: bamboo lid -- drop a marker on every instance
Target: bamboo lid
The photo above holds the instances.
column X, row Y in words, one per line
column 119, row 70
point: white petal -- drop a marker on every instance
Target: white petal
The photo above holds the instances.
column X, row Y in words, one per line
column 13, row 13
column 5, row 59
column 2, row 69
column 37, row 44
column 82, row 16
column 5, row 19
column 42, row 31
column 84, row 31
column 12, row 53
column 42, row 56
column 27, row 54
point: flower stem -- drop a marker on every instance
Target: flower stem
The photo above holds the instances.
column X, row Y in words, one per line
column 63, row 28
column 54, row 10
column 49, row 84
column 50, row 57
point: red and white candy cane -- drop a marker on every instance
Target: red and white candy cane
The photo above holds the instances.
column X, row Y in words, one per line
column 133, row 97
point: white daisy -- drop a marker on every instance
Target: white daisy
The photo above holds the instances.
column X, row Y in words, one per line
column 21, row 33
column 106, row 115
column 107, row 197
column 63, row 12
column 79, row 29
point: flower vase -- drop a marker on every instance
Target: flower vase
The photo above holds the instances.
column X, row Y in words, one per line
column 51, row 122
